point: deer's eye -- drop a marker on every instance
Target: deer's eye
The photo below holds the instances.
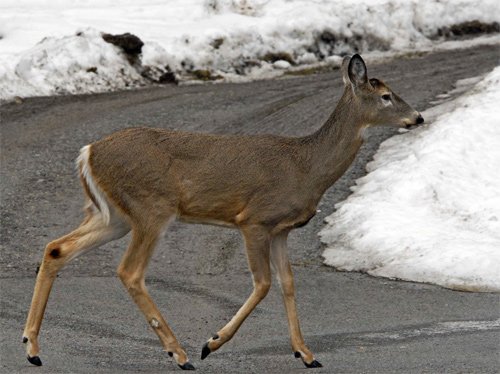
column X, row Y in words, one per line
column 386, row 97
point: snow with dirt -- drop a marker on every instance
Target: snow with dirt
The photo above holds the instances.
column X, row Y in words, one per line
column 51, row 47
column 429, row 208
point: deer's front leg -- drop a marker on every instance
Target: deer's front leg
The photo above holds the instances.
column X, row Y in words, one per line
column 281, row 264
column 257, row 242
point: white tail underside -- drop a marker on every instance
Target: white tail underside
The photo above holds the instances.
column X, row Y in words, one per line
column 84, row 168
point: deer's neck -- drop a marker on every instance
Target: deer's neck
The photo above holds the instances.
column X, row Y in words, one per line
column 333, row 147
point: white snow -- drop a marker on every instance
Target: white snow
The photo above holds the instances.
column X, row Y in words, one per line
column 41, row 53
column 71, row 64
column 429, row 208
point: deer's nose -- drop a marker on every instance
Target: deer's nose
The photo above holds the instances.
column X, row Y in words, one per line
column 420, row 119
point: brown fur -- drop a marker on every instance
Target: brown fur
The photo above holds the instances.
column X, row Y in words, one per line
column 262, row 184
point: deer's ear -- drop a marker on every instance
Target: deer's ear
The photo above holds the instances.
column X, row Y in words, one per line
column 357, row 71
column 344, row 68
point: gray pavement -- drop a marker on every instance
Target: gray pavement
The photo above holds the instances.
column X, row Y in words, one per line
column 198, row 276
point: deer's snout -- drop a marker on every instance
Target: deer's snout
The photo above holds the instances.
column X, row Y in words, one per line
column 418, row 120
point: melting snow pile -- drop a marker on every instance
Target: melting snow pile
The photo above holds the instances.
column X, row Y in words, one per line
column 429, row 208
column 71, row 64
column 207, row 39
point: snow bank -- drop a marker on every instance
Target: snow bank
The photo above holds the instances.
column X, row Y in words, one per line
column 229, row 38
column 429, row 208
column 72, row 64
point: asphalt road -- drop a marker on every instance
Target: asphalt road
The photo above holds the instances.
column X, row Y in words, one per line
column 353, row 322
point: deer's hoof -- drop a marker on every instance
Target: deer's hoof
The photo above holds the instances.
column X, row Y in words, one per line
column 187, row 366
column 314, row 364
column 35, row 360
column 205, row 351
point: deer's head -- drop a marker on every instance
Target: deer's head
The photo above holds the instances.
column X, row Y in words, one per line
column 377, row 102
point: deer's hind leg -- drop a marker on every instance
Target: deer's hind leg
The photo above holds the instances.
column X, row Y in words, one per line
column 94, row 231
column 132, row 271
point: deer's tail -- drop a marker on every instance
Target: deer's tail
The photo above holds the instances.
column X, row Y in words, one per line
column 92, row 190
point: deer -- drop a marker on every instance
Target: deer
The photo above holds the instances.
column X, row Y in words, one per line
column 139, row 180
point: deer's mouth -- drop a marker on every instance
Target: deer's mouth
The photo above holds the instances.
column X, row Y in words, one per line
column 410, row 126
column 418, row 121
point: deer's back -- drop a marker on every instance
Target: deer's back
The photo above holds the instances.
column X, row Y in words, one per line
column 210, row 177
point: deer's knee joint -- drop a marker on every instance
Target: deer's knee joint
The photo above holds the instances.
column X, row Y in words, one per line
column 134, row 286
column 262, row 288
column 131, row 282
column 287, row 287
column 126, row 278
column 124, row 275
